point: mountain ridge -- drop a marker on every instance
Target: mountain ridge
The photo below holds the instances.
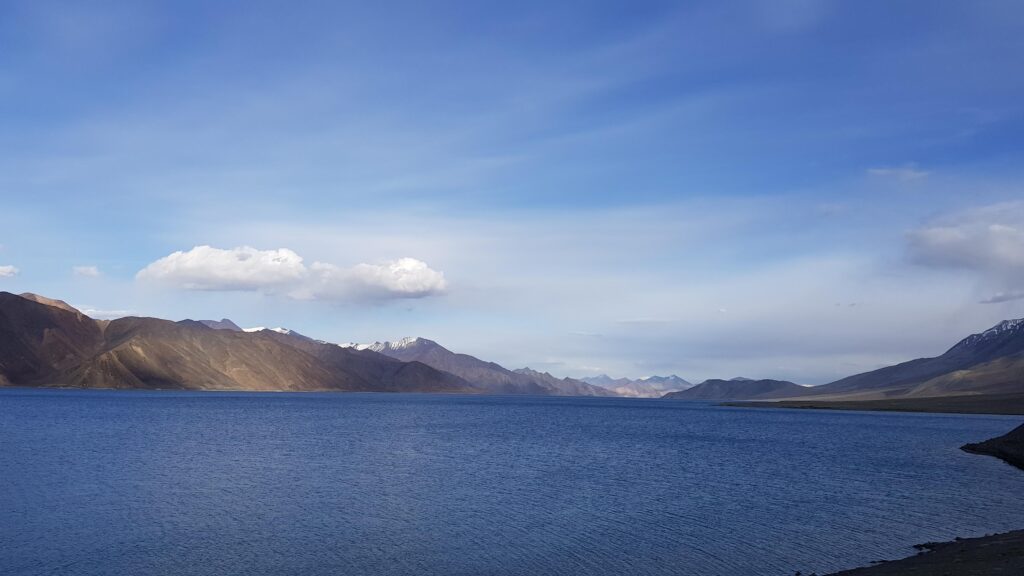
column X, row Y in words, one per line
column 44, row 345
column 988, row 362
column 489, row 376
column 737, row 389
column 648, row 387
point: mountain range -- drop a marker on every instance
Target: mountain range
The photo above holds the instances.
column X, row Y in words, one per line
column 983, row 372
column 990, row 362
column 488, row 376
column 650, row 387
column 46, row 342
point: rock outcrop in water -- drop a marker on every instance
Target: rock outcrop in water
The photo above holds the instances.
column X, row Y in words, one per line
column 986, row 556
column 1008, row 447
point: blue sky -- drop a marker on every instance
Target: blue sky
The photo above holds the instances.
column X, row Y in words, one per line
column 798, row 189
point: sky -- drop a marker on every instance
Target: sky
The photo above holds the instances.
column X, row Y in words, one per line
column 795, row 189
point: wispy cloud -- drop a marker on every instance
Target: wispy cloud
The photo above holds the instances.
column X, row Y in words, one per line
column 906, row 173
column 1000, row 297
column 8, row 271
column 86, row 271
column 986, row 241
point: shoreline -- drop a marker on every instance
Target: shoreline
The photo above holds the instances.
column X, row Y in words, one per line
column 993, row 554
column 1006, row 405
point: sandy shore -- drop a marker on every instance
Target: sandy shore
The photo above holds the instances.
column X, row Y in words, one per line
column 986, row 556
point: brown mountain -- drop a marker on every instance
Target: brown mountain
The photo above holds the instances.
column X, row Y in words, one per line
column 40, row 342
column 990, row 363
column 50, row 302
column 738, row 389
column 49, row 345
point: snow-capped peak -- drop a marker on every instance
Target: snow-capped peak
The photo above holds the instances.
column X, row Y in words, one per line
column 402, row 344
column 405, row 342
column 279, row 330
column 1003, row 327
column 355, row 345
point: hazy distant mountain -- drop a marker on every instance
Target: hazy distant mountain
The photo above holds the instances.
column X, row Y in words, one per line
column 738, row 389
column 49, row 345
column 605, row 381
column 991, row 363
column 564, row 386
column 650, row 387
column 488, row 376
column 667, row 382
column 222, row 324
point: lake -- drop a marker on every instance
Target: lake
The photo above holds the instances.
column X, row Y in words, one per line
column 128, row 483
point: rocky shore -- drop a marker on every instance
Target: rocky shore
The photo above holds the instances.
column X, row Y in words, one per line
column 986, row 556
column 1009, row 447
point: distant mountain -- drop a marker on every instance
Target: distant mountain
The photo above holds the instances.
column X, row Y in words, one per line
column 990, row 362
column 488, row 376
column 564, row 386
column 650, row 387
column 738, row 389
column 605, row 381
column 223, row 324
column 667, row 382
column 49, row 345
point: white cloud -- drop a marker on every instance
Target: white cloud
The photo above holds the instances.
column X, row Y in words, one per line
column 86, row 271
column 8, row 271
column 282, row 270
column 906, row 173
column 988, row 241
column 243, row 268
column 402, row 278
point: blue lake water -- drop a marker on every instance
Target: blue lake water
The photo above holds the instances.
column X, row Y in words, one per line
column 128, row 483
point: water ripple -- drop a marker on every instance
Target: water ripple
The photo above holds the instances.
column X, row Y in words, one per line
column 194, row 484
